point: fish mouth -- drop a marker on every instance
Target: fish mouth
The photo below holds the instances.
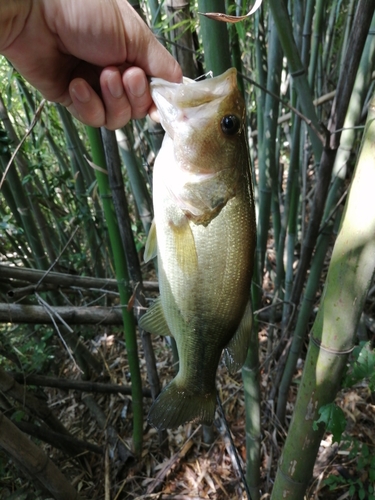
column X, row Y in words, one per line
column 178, row 102
column 193, row 93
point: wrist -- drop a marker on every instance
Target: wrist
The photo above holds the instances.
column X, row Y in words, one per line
column 13, row 16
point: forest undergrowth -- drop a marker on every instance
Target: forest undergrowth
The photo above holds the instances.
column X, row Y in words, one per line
column 190, row 462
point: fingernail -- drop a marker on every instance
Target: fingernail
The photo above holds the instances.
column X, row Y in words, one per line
column 137, row 86
column 115, row 86
column 81, row 92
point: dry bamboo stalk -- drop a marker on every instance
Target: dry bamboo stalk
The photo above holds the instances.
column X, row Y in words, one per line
column 76, row 385
column 61, row 279
column 96, row 315
column 33, row 459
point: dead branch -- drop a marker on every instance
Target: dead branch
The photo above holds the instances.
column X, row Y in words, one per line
column 76, row 385
column 65, row 443
column 95, row 315
column 65, row 280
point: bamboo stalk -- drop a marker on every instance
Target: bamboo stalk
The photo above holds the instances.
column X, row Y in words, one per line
column 118, row 192
column 297, row 71
column 68, row 444
column 364, row 14
column 33, row 459
column 64, row 280
column 137, row 181
column 215, row 38
column 29, row 314
column 333, row 335
column 267, row 146
column 122, row 275
column 250, row 377
column 74, row 385
column 340, row 168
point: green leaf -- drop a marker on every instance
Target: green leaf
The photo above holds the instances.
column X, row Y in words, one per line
column 352, row 490
column 363, row 367
column 334, row 419
column 362, row 494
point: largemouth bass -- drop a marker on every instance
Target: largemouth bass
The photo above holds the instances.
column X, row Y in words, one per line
column 204, row 237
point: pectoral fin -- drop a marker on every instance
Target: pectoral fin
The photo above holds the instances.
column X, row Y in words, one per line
column 184, row 243
column 236, row 351
column 154, row 320
column 151, row 244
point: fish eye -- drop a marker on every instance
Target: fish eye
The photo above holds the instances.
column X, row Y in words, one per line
column 230, row 124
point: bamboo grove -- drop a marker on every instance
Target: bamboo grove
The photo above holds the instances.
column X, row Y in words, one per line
column 75, row 209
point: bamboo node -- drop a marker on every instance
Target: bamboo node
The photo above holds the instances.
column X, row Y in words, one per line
column 330, row 350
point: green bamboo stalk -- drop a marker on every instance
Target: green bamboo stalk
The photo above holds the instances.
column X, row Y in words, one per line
column 316, row 40
column 288, row 223
column 297, row 71
column 364, row 14
column 38, row 191
column 267, row 149
column 156, row 20
column 297, row 12
column 57, row 151
column 329, row 36
column 261, row 69
column 304, row 315
column 19, row 245
column 333, row 335
column 122, row 276
column 250, row 377
column 137, row 181
column 215, row 38
column 25, row 212
column 353, row 118
column 340, row 169
column 292, row 204
column 116, row 184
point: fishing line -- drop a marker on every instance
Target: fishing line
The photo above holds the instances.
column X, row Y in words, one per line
column 235, row 451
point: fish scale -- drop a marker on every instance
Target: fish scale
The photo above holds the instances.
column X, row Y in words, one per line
column 204, row 238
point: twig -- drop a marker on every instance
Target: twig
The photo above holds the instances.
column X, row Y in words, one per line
column 58, row 257
column 52, row 313
column 156, row 483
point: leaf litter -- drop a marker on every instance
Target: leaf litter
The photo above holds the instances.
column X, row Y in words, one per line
column 179, row 464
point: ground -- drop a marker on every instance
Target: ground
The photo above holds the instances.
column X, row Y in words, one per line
column 179, row 464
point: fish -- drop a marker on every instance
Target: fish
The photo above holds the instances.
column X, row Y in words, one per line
column 203, row 235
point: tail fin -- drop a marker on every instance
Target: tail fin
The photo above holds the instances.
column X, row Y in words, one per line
column 176, row 406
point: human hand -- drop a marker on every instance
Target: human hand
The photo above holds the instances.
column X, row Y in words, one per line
column 92, row 57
